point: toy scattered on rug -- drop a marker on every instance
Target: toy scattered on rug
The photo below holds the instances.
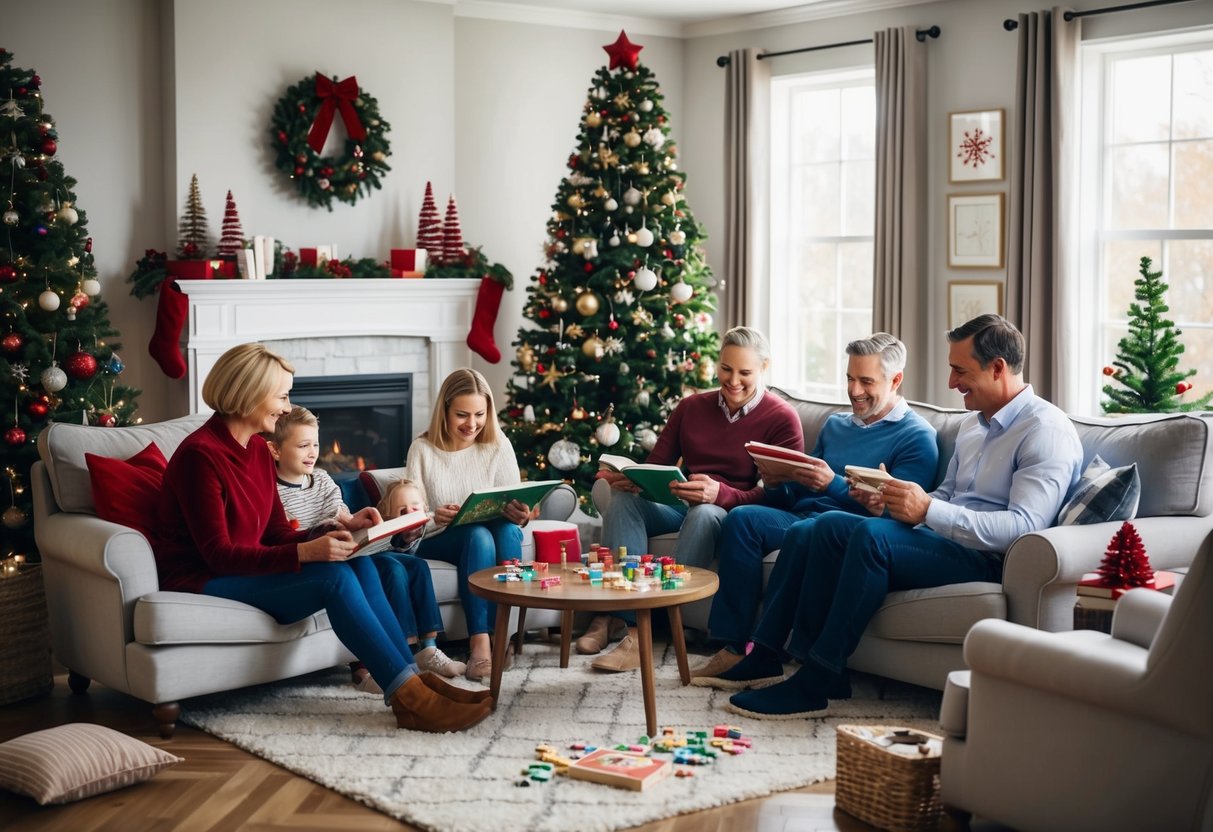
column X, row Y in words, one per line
column 631, row 765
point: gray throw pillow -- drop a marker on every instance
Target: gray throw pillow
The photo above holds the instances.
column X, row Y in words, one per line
column 1102, row 495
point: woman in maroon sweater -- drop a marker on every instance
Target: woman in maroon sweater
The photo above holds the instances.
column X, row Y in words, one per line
column 221, row 531
column 707, row 432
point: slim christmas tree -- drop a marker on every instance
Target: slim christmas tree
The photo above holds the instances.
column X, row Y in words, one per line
column 193, row 234
column 620, row 312
column 452, row 235
column 429, row 227
column 58, row 361
column 232, row 240
column 1148, row 357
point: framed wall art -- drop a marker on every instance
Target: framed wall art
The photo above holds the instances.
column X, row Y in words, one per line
column 975, row 146
column 969, row 298
column 975, row 231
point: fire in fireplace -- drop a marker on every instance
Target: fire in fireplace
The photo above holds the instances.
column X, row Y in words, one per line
column 366, row 421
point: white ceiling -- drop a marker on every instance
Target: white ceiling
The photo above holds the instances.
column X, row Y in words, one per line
column 681, row 11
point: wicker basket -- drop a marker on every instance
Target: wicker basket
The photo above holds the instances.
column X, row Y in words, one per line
column 892, row 785
column 25, row 652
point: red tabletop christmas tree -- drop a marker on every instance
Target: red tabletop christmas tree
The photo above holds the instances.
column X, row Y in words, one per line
column 1125, row 563
column 233, row 234
column 429, row 227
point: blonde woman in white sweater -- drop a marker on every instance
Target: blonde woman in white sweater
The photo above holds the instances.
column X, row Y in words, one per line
column 465, row 450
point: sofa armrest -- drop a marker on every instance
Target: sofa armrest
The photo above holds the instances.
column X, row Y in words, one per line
column 1138, row 617
column 1042, row 569
column 105, row 549
column 559, row 504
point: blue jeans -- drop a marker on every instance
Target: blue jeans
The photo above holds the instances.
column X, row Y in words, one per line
column 473, row 547
column 410, row 591
column 749, row 532
column 351, row 593
column 851, row 564
column 630, row 520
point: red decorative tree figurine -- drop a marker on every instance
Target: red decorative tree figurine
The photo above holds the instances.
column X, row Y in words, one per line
column 452, row 234
column 429, row 227
column 1125, row 563
column 192, row 231
column 232, row 240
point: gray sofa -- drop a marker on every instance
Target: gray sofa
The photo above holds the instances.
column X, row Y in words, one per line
column 917, row 636
column 110, row 621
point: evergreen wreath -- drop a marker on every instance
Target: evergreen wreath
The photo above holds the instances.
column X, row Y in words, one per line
column 301, row 123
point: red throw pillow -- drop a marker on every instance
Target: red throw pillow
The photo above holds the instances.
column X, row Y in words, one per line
column 126, row 490
column 547, row 545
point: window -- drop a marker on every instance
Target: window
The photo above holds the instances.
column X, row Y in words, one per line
column 823, row 148
column 1147, row 191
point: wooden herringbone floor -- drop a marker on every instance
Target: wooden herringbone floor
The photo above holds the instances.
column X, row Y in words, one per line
column 219, row 787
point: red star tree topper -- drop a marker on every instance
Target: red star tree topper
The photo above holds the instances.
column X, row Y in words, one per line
column 429, row 226
column 623, row 52
column 1125, row 562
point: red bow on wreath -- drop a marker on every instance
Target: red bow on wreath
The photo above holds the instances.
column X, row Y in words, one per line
column 333, row 95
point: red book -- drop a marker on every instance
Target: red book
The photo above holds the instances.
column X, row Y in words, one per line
column 1092, row 585
column 620, row 768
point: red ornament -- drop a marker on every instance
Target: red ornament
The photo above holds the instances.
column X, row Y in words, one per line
column 38, row 409
column 12, row 343
column 299, row 170
column 574, row 160
column 612, row 324
column 49, row 147
column 623, row 52
column 1183, row 387
column 8, row 273
column 282, row 136
column 15, row 436
column 1109, row 371
column 539, row 368
column 106, row 420
column 589, row 268
column 80, row 366
column 88, row 244
column 78, row 301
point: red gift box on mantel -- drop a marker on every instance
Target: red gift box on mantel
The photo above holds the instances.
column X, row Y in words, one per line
column 408, row 262
column 307, row 257
column 190, row 269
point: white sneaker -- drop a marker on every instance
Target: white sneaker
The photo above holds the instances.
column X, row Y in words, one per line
column 435, row 661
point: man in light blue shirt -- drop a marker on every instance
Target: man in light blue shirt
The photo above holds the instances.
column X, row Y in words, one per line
column 1016, row 459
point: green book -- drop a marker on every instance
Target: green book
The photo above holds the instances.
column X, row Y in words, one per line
column 654, row 480
column 489, row 503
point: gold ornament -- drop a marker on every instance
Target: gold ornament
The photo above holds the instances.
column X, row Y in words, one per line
column 559, row 304
column 575, row 201
column 631, row 138
column 578, row 413
column 587, row 303
column 641, row 167
column 593, row 119
column 622, row 101
column 526, row 358
column 600, row 191
column 669, row 198
column 574, row 331
column 592, row 348
column 607, row 156
column 550, row 377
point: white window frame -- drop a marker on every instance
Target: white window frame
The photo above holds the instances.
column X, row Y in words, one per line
column 1087, row 331
column 782, row 318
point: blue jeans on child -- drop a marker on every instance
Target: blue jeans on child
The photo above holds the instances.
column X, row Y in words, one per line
column 410, row 590
column 352, row 594
column 473, row 547
column 848, row 564
column 630, row 520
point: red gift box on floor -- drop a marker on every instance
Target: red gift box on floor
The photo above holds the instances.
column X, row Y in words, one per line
column 408, row 262
column 189, row 269
column 547, row 545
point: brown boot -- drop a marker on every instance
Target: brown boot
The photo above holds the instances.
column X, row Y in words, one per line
column 455, row 693
column 625, row 656
column 418, row 708
column 602, row 630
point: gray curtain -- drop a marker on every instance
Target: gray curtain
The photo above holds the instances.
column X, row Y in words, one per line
column 746, row 165
column 899, row 300
column 1043, row 229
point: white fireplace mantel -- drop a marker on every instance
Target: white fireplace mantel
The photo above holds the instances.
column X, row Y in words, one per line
column 224, row 313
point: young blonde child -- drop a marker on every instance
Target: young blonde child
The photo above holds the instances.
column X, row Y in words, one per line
column 312, row 500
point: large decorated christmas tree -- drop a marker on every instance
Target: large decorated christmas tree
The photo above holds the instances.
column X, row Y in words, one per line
column 58, row 359
column 620, row 313
column 1147, row 362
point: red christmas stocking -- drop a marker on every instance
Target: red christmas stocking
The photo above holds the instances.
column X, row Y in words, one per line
column 165, row 345
column 488, row 301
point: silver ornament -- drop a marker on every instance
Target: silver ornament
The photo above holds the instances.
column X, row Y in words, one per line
column 645, row 280
column 564, row 455
column 53, row 379
column 91, row 287
column 528, row 413
column 646, row 438
column 643, row 398
column 681, row 292
column 644, row 237
column 11, row 217
column 607, row 433
column 48, row 300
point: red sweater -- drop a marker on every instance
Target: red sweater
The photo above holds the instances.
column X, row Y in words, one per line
column 708, row 443
column 219, row 512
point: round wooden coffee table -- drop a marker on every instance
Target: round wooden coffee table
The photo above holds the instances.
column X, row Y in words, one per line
column 573, row 594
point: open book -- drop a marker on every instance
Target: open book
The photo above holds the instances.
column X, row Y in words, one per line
column 867, row 479
column 489, row 503
column 654, row 480
column 375, row 539
column 783, row 460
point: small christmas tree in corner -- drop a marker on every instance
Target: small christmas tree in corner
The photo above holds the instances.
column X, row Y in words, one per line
column 1147, row 359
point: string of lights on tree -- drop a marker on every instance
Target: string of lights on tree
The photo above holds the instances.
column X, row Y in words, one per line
column 58, row 360
column 619, row 315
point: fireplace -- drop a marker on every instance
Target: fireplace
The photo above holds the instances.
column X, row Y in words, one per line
column 366, row 421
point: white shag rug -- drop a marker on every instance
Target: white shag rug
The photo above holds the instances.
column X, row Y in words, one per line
column 318, row 726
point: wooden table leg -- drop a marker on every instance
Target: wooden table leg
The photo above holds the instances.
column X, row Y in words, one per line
column 500, row 643
column 644, row 630
column 521, row 631
column 680, row 644
column 566, row 635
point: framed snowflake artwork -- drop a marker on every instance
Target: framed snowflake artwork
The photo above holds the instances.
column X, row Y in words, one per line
column 976, row 147
column 975, row 236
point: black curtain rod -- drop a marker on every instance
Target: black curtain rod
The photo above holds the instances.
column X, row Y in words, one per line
column 921, row 34
column 1011, row 25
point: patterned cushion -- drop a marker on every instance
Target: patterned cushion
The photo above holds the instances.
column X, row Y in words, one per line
column 70, row 762
column 1104, row 493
